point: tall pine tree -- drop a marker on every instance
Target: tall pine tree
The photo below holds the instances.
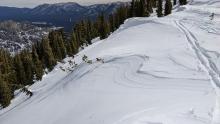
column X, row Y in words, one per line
column 160, row 8
column 19, row 69
column 182, row 2
column 48, row 57
column 168, row 7
column 5, row 95
column 174, row 2
column 37, row 67
column 102, row 26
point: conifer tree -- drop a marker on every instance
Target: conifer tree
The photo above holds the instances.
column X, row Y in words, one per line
column 138, row 9
column 74, row 44
column 57, row 44
column 174, row 2
column 54, row 43
column 48, row 57
column 160, row 8
column 112, row 22
column 62, row 47
column 89, row 32
column 69, row 48
column 28, row 66
column 168, row 7
column 37, row 67
column 132, row 9
column 19, row 69
column 5, row 95
column 154, row 3
column 117, row 20
column 182, row 2
column 6, row 66
column 143, row 10
column 149, row 6
column 102, row 26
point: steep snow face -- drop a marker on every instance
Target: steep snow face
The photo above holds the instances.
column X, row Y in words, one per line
column 155, row 71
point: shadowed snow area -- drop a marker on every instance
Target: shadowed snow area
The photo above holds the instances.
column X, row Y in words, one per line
column 155, row 71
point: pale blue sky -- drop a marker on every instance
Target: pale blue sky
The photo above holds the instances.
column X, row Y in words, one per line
column 33, row 3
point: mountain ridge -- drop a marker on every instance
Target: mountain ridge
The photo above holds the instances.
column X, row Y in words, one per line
column 58, row 14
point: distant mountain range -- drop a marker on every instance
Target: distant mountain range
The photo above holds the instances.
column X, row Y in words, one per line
column 60, row 14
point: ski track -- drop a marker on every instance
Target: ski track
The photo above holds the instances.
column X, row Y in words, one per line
column 203, row 57
column 127, row 74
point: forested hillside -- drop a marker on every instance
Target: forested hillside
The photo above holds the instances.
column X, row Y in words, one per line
column 30, row 65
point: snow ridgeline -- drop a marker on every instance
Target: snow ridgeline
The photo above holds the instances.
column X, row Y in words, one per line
column 155, row 71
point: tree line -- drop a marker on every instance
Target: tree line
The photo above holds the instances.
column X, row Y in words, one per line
column 29, row 65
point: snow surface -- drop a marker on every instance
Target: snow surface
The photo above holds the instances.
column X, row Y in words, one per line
column 155, row 71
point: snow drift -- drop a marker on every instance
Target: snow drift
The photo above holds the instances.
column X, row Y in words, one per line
column 155, row 71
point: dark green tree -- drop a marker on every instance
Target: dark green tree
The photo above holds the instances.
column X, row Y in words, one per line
column 74, row 43
column 174, row 2
column 89, row 29
column 149, row 6
column 48, row 57
column 57, row 44
column 19, row 69
column 102, row 26
column 160, row 8
column 37, row 65
column 182, row 2
column 5, row 95
column 168, row 7
column 112, row 22
column 132, row 9
column 26, row 59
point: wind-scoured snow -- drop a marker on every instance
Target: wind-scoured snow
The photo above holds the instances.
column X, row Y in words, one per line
column 155, row 71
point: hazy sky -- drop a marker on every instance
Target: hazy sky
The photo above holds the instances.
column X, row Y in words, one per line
column 33, row 3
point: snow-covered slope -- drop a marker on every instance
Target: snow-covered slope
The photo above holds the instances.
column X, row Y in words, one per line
column 155, row 71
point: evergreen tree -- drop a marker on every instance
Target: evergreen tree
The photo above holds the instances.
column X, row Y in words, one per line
column 168, row 7
column 37, row 67
column 138, row 9
column 19, row 69
column 102, row 26
column 54, row 43
column 174, row 2
column 88, row 32
column 117, row 20
column 5, row 95
column 48, row 57
column 6, row 68
column 149, row 6
column 182, row 2
column 160, row 8
column 61, row 45
column 69, row 48
column 57, row 44
column 74, row 44
column 143, row 10
column 132, row 9
column 154, row 3
column 28, row 66
column 112, row 22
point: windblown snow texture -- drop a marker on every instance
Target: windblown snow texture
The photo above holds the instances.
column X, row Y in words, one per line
column 155, row 71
